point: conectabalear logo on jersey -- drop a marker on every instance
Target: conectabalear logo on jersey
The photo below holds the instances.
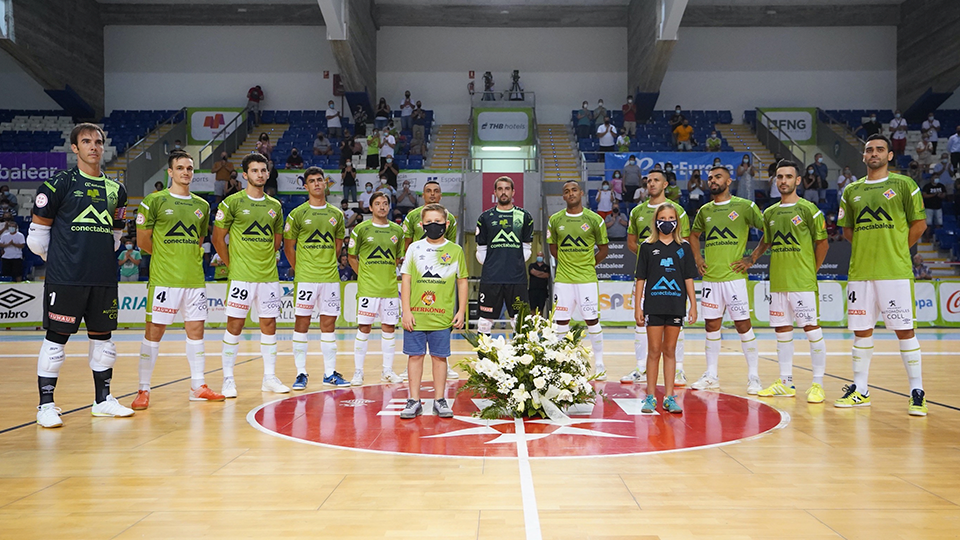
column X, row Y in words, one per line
column 722, row 236
column 317, row 237
column 506, row 237
column 570, row 241
column 10, row 299
column 780, row 239
column 379, row 253
column 179, row 229
column 93, row 220
column 873, row 218
column 259, row 233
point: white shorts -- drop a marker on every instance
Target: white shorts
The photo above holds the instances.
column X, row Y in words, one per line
column 567, row 296
column 787, row 307
column 715, row 297
column 868, row 300
column 369, row 308
column 308, row 295
column 163, row 304
column 242, row 294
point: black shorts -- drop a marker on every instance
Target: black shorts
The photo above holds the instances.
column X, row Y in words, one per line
column 12, row 268
column 662, row 320
column 65, row 305
column 493, row 296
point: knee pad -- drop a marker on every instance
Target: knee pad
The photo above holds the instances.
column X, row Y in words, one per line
column 484, row 326
column 50, row 360
column 103, row 355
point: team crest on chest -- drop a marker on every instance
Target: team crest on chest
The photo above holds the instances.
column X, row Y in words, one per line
column 272, row 212
column 333, row 221
column 889, row 194
column 198, row 213
column 585, row 227
column 445, row 257
column 393, row 239
column 733, row 215
column 797, row 220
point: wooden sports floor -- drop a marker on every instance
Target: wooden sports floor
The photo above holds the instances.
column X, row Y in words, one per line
column 184, row 470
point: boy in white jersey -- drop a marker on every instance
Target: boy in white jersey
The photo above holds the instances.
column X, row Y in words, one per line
column 171, row 226
column 882, row 216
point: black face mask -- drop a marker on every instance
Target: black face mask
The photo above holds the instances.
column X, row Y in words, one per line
column 666, row 227
column 435, row 230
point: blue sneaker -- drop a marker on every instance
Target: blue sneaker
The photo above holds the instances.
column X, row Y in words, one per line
column 301, row 382
column 670, row 405
column 335, row 380
column 649, row 405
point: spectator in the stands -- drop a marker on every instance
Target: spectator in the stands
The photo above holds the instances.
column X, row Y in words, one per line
column 696, row 192
column 418, row 147
column 772, row 169
column 419, row 121
column 233, row 185
column 365, row 197
column 11, row 245
column 616, row 185
column 129, row 262
column 871, row 126
column 584, row 121
column 898, row 133
column 599, row 114
column 605, row 200
column 295, row 160
column 629, row 117
column 406, row 200
column 809, row 183
column 834, row 234
column 920, row 270
column 321, row 145
column 348, row 180
column 821, row 170
column 675, row 121
column 746, row 173
column 383, row 115
column 388, row 190
column 845, row 179
column 254, row 97
column 953, row 147
column 177, row 144
column 623, row 142
column 640, row 194
column 956, row 198
column 270, row 188
column 221, row 174
column 669, row 174
column 360, row 121
column 5, row 195
column 934, row 193
column 606, row 133
column 915, row 172
column 930, row 127
column 158, row 186
column 539, row 291
column 373, row 150
column 631, row 174
column 348, row 147
column 944, row 170
column 390, row 171
column 684, row 136
column 350, row 218
column 344, row 268
column 616, row 224
column 333, row 120
column 388, row 144
column 672, row 190
column 263, row 145
column 714, row 142
column 406, row 112
column 7, row 209
column 925, row 152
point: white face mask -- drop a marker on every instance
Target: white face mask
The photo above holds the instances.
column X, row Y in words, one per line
column 129, row 247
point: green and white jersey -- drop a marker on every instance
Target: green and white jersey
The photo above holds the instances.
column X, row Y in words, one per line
column 642, row 222
column 791, row 230
column 880, row 213
column 252, row 224
column 433, row 270
column 316, row 230
column 179, row 225
column 724, row 229
column 377, row 248
column 575, row 237
column 413, row 229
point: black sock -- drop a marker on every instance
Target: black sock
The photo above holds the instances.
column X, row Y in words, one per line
column 46, row 385
column 101, row 384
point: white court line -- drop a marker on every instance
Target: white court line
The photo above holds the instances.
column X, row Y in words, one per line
column 470, row 353
column 531, row 516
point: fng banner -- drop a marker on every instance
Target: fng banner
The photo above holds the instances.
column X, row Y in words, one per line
column 204, row 123
column 503, row 127
column 798, row 123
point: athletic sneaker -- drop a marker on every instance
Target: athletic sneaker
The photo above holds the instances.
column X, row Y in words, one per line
column 754, row 386
column 390, row 377
column 816, row 394
column 413, row 409
column 634, row 377
column 336, row 380
column 706, row 382
column 852, row 398
column 357, row 379
column 649, row 404
column 142, row 401
column 778, row 389
column 601, row 372
column 48, row 416
column 680, row 379
column 452, row 375
column 110, row 407
column 229, row 388
column 918, row 403
column 204, row 393
column 441, row 409
column 404, row 375
column 301, row 382
column 670, row 405
column 272, row 384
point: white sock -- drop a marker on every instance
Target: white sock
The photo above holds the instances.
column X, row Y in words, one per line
column 360, row 344
column 910, row 353
column 640, row 347
column 389, row 346
column 785, row 356
column 148, row 359
column 862, row 353
column 818, row 354
column 328, row 346
column 712, row 352
column 196, row 357
column 300, row 347
column 748, row 342
column 562, row 329
column 268, row 350
column 228, row 355
column 596, row 343
column 679, row 353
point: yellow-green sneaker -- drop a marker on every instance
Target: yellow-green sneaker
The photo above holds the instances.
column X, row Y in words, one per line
column 918, row 403
column 852, row 398
column 816, row 394
column 778, row 389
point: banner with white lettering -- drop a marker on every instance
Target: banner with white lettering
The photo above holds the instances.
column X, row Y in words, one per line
column 30, row 166
column 291, row 182
column 684, row 163
column 503, row 127
column 799, row 124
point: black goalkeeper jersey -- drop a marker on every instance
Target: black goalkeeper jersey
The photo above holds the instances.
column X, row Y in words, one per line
column 85, row 211
column 504, row 233
column 665, row 269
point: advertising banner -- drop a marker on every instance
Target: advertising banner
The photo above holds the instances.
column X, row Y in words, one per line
column 620, row 261
column 21, row 304
column 800, row 124
column 30, row 166
column 204, row 123
column 684, row 163
column 291, row 182
column 503, row 127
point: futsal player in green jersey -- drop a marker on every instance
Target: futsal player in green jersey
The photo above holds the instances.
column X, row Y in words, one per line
column 573, row 234
column 882, row 216
column 254, row 221
column 725, row 225
column 639, row 229
column 171, row 226
column 434, row 298
column 313, row 236
column 796, row 233
column 374, row 250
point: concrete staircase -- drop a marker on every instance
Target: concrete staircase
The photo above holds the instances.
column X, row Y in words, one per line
column 118, row 165
column 936, row 261
column 839, row 130
column 743, row 140
column 560, row 154
column 274, row 131
column 450, row 145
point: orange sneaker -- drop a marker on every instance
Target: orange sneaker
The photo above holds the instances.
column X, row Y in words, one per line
column 204, row 393
column 142, row 401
